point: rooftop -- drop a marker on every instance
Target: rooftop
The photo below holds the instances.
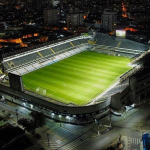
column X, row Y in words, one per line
column 103, row 39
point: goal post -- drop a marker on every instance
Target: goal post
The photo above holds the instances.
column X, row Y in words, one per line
column 44, row 91
column 40, row 90
column 37, row 89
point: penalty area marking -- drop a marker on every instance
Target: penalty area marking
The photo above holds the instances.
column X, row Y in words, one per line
column 49, row 94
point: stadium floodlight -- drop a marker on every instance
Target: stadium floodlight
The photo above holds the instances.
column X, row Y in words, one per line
column 133, row 105
column 31, row 106
column 24, row 104
column 132, row 65
column 67, row 117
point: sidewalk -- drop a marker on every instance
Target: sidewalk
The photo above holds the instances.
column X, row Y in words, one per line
column 125, row 144
column 127, row 114
column 93, row 132
column 62, row 118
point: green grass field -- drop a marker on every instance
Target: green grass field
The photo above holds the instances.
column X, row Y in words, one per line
column 77, row 79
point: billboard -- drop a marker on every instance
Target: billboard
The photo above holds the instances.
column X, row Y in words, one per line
column 120, row 34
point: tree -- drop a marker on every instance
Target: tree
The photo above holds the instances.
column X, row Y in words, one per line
column 27, row 124
column 110, row 148
column 23, row 122
column 38, row 118
column 3, row 111
column 30, row 125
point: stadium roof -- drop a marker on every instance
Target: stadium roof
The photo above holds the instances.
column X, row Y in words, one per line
column 103, row 39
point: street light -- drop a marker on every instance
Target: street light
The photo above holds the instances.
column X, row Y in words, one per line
column 98, row 128
column 31, row 106
column 17, row 114
column 119, row 141
column 97, row 121
column 110, row 117
column 60, row 124
column 119, row 137
column 48, row 140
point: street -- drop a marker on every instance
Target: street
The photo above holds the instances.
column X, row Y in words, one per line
column 64, row 136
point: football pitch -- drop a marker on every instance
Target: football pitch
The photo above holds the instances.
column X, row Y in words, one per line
column 77, row 79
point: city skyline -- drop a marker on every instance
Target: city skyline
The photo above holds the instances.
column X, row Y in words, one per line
column 74, row 75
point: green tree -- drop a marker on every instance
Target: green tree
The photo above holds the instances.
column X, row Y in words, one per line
column 110, row 148
column 3, row 111
column 38, row 118
column 23, row 122
column 27, row 124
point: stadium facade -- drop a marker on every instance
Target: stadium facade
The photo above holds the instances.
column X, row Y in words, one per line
column 131, row 87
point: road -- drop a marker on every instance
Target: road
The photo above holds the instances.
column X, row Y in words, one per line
column 71, row 137
column 126, row 126
column 59, row 134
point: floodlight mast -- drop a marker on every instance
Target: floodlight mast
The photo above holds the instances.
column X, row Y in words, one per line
column 48, row 140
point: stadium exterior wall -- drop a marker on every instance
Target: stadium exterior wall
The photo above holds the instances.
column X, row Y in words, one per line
column 137, row 92
column 119, row 100
column 66, row 109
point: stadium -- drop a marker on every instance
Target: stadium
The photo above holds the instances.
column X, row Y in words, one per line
column 79, row 76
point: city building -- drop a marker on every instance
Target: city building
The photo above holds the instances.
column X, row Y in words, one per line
column 62, row 13
column 50, row 16
column 109, row 20
column 115, row 5
column 74, row 20
column 139, row 10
